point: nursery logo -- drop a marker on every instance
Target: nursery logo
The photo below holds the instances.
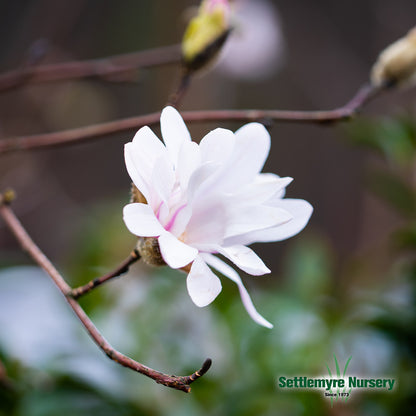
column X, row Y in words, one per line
column 336, row 386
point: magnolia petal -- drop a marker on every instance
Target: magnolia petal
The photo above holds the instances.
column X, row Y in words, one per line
column 146, row 149
column 300, row 210
column 174, row 132
column 141, row 220
column 141, row 156
column 175, row 253
column 189, row 159
column 243, row 219
column 180, row 219
column 264, row 187
column 208, row 222
column 229, row 272
column 202, row 284
column 217, row 145
column 251, row 149
column 133, row 171
column 163, row 179
column 280, row 194
column 147, row 141
column 254, row 138
column 200, row 180
column 162, row 213
column 245, row 258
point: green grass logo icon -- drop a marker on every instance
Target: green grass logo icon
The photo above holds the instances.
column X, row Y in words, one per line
column 343, row 394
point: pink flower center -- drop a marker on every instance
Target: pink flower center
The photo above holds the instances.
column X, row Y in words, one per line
column 158, row 210
column 170, row 223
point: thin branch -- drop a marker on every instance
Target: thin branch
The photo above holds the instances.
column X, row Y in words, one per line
column 91, row 132
column 112, row 68
column 76, row 293
column 177, row 382
column 184, row 83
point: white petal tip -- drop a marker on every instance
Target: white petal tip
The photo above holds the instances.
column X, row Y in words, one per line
column 167, row 109
column 141, row 220
column 259, row 271
column 201, row 303
column 170, row 111
column 202, row 284
column 261, row 321
column 175, row 253
column 258, row 319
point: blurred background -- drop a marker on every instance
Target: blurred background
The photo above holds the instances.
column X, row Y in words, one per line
column 344, row 286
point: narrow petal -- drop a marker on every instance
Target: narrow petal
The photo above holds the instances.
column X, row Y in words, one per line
column 163, row 179
column 146, row 140
column 141, row 220
column 180, row 220
column 254, row 138
column 202, row 284
column 133, row 171
column 245, row 258
column 175, row 253
column 217, row 149
column 174, row 132
column 208, row 223
column 141, row 155
column 217, row 146
column 300, row 210
column 146, row 149
column 243, row 219
column 264, row 187
column 238, row 161
column 162, row 213
column 201, row 179
column 189, row 159
column 251, row 149
column 229, row 272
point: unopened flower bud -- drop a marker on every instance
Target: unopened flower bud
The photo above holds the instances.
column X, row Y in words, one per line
column 206, row 33
column 149, row 250
column 7, row 197
column 136, row 195
column 397, row 63
column 148, row 247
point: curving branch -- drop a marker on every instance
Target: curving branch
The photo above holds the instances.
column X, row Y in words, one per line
column 82, row 134
column 76, row 293
column 28, row 245
column 113, row 68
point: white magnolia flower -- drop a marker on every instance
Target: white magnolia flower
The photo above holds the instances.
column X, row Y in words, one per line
column 209, row 199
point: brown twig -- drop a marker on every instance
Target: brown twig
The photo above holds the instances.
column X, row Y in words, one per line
column 177, row 382
column 184, row 83
column 110, row 69
column 82, row 134
column 76, row 293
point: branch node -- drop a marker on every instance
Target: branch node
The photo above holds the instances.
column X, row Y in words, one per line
column 123, row 268
column 199, row 373
column 21, row 235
